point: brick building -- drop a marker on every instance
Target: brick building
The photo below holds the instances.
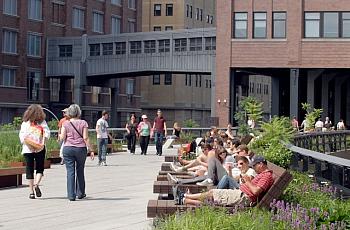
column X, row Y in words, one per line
column 302, row 45
column 24, row 27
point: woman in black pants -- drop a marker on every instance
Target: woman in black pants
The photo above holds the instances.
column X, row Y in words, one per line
column 144, row 130
column 33, row 135
column 131, row 128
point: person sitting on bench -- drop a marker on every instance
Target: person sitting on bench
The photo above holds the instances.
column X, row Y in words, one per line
column 233, row 181
column 249, row 192
column 215, row 171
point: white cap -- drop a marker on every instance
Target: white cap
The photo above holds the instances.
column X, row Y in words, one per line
column 144, row 116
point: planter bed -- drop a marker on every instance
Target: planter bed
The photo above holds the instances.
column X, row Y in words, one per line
column 10, row 177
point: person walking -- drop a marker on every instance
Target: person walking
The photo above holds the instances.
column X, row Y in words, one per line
column 75, row 136
column 144, row 130
column 159, row 131
column 33, row 135
column 102, row 137
column 60, row 123
column 131, row 129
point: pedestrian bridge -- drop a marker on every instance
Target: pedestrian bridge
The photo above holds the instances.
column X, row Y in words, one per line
column 180, row 51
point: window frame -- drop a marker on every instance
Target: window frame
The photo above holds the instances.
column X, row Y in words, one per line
column 106, row 48
column 116, row 29
column 98, row 24
column 274, row 20
column 180, row 45
column 156, row 79
column 11, row 8
column 169, row 8
column 33, row 84
column 93, row 51
column 195, row 45
column 168, row 79
column 135, row 47
column 35, row 50
column 37, row 14
column 120, row 48
column 63, row 52
column 312, row 20
column 255, row 20
column 164, row 46
column 11, row 34
column 9, row 80
column 157, row 12
column 149, row 46
column 81, row 17
column 240, row 20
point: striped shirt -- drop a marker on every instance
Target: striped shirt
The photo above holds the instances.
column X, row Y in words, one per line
column 263, row 180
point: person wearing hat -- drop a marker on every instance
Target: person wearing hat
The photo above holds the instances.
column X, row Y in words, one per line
column 60, row 123
column 248, row 193
column 159, row 130
column 144, row 130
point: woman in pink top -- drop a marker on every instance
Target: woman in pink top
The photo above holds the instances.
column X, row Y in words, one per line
column 74, row 133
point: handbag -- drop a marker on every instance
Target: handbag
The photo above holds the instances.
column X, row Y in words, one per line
column 35, row 138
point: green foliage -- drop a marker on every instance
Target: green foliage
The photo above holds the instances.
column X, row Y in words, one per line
column 186, row 137
column 207, row 218
column 269, row 142
column 10, row 147
column 190, row 123
column 311, row 115
column 53, row 125
column 249, row 107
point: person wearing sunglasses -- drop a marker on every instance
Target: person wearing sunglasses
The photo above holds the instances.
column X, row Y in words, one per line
column 231, row 181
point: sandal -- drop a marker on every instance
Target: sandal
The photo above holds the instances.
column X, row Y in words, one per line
column 32, row 196
column 37, row 191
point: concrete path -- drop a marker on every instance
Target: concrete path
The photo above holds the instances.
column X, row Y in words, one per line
column 117, row 197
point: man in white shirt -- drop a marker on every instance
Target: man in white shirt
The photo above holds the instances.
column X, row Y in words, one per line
column 102, row 137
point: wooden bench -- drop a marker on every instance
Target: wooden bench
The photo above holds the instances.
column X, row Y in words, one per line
column 171, row 158
column 172, row 173
column 165, row 178
column 165, row 187
column 158, row 208
column 11, row 176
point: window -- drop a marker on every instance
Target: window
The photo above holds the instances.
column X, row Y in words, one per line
column 180, row 44
column 164, row 46
column 331, row 25
column 97, row 22
column 33, row 85
column 55, row 89
column 135, row 47
column 191, row 11
column 116, row 24
column 130, row 86
column 251, row 87
column 167, row 79
column 345, row 25
column 120, row 47
column 240, row 23
column 201, row 15
column 107, row 49
column 34, row 9
column 210, row 43
column 116, row 2
column 208, row 18
column 65, row 50
column 78, row 18
column 156, row 79
column 57, row 13
column 189, row 80
column 187, row 10
column 9, row 41
column 157, row 10
column 10, row 7
column 279, row 25
column 211, row 19
column 196, row 80
column 131, row 25
column 8, row 77
column 157, row 28
column 132, row 4
column 150, row 46
column 197, row 13
column 210, row 84
column 266, row 89
column 206, row 83
column 95, row 50
column 186, row 79
column 34, row 45
column 168, row 28
column 312, row 25
column 95, row 97
column 169, row 10
column 195, row 44
column 259, row 25
column 200, row 80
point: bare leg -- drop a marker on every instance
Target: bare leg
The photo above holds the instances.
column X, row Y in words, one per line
column 38, row 178
column 198, row 196
column 193, row 202
column 31, row 185
column 192, row 164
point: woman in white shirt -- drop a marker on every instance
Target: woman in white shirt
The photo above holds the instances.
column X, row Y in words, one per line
column 231, row 181
column 33, row 135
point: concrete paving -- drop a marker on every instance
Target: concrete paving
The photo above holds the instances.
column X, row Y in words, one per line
column 117, row 196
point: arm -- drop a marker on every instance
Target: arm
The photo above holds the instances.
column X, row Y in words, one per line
column 86, row 138
column 98, row 128
column 165, row 131
column 23, row 132
column 256, row 190
column 63, row 135
column 202, row 161
column 127, row 128
column 46, row 131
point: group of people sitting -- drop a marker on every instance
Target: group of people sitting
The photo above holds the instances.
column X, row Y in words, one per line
column 240, row 176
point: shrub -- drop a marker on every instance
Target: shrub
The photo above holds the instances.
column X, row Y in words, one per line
column 190, row 123
column 270, row 141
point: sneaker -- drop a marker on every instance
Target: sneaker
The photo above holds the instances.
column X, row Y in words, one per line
column 31, row 196
column 171, row 178
column 206, row 182
column 104, row 163
column 37, row 191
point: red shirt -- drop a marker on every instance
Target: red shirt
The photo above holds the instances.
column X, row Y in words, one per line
column 263, row 180
column 159, row 124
